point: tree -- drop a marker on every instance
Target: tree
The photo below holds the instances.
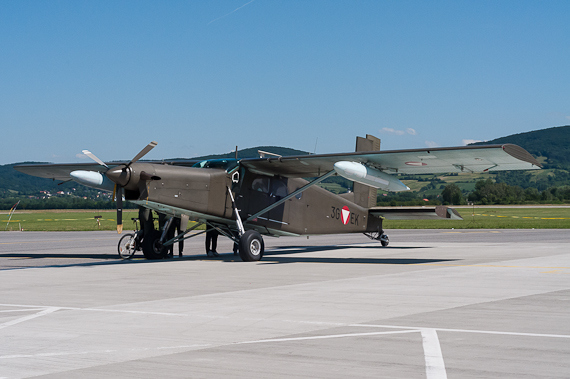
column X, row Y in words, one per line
column 488, row 192
column 452, row 194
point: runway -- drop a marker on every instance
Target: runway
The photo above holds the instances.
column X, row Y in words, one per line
column 434, row 304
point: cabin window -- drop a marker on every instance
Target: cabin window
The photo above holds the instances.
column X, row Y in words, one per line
column 260, row 184
column 278, row 188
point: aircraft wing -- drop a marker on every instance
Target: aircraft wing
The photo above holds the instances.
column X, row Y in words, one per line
column 416, row 161
column 57, row 171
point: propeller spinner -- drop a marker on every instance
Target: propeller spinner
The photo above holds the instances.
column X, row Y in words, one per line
column 120, row 175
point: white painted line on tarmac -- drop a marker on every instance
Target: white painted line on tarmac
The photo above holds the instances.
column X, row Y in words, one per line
column 29, row 317
column 107, row 351
column 20, row 310
column 435, row 367
column 324, row 337
column 49, row 309
column 92, row 310
column 127, row 311
column 320, row 323
column 465, row 331
column 23, row 306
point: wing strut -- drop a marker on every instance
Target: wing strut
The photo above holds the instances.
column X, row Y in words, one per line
column 294, row 193
column 238, row 218
column 182, row 236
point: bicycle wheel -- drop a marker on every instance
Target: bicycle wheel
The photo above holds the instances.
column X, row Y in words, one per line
column 127, row 246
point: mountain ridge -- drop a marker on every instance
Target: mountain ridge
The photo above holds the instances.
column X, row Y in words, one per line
column 551, row 143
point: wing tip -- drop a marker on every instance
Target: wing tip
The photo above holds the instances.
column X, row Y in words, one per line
column 520, row 153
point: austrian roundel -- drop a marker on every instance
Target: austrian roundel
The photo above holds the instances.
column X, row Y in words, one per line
column 345, row 213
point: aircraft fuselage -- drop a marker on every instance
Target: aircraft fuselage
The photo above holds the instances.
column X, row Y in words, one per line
column 205, row 191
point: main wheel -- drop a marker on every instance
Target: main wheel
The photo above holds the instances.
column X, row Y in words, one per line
column 127, row 246
column 151, row 246
column 251, row 246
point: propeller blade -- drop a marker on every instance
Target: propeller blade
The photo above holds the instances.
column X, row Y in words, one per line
column 142, row 153
column 92, row 156
column 119, row 209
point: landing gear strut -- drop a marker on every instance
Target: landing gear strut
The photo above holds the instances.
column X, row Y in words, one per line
column 379, row 236
column 251, row 244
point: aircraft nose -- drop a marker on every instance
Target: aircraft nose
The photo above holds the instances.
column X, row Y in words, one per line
column 120, row 175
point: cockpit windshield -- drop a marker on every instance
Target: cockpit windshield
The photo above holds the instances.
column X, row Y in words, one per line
column 226, row 164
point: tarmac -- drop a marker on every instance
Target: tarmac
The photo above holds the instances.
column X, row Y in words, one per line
column 433, row 304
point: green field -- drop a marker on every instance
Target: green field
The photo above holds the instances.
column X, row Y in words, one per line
column 477, row 218
column 494, row 218
column 65, row 220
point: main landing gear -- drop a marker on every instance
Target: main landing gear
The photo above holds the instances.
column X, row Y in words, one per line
column 153, row 247
column 155, row 244
column 251, row 246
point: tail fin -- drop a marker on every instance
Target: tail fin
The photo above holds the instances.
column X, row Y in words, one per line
column 364, row 195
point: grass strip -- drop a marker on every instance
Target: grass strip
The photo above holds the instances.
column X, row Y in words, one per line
column 477, row 218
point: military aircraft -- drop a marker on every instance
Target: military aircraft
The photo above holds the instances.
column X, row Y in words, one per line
column 277, row 195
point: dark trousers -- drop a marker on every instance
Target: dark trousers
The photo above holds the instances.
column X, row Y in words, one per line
column 211, row 240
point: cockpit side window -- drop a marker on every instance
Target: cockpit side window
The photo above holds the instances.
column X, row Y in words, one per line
column 226, row 164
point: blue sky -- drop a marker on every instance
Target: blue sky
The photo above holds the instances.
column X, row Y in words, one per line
column 201, row 77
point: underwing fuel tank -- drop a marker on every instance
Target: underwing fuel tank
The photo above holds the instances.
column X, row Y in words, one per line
column 369, row 176
column 92, row 179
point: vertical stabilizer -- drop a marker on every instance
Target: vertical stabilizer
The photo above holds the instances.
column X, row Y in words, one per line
column 364, row 195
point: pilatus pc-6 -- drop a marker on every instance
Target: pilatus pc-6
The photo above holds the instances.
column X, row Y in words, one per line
column 271, row 195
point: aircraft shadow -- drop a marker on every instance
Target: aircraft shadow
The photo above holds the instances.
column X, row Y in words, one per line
column 36, row 260
column 273, row 256
column 308, row 249
column 380, row 261
column 276, row 255
column 279, row 255
column 56, row 255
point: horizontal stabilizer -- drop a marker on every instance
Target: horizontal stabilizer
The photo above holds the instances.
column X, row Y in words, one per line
column 415, row 213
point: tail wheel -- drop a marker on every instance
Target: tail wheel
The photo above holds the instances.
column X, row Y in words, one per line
column 251, row 246
column 384, row 240
column 151, row 246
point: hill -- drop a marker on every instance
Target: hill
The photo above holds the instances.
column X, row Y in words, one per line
column 252, row 152
column 552, row 145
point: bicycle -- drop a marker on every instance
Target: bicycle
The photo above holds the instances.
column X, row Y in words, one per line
column 130, row 243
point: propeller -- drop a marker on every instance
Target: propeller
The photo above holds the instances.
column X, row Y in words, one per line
column 121, row 176
column 142, row 153
column 92, row 156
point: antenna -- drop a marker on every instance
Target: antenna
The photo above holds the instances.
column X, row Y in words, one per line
column 236, row 152
column 314, row 152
